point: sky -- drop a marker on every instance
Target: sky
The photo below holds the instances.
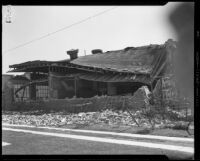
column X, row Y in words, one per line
column 118, row 28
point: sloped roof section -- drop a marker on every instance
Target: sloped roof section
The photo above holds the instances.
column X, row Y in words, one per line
column 140, row 60
column 38, row 63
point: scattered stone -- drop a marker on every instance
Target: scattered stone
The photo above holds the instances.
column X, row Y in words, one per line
column 109, row 117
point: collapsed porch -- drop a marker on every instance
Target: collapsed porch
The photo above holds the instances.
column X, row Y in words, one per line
column 55, row 85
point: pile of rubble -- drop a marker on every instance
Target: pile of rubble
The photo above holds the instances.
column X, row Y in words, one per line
column 107, row 117
column 58, row 119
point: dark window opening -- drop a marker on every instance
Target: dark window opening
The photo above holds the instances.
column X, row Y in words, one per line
column 128, row 88
column 42, row 92
column 22, row 95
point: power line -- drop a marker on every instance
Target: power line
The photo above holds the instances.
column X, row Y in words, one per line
column 64, row 28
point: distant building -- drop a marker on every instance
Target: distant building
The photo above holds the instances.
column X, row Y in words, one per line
column 5, row 79
column 7, row 92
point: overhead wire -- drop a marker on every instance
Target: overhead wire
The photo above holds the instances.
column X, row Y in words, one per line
column 59, row 30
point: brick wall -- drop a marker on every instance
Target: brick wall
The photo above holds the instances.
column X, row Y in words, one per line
column 77, row 104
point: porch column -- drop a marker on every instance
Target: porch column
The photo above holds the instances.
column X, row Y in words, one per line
column 75, row 86
column 111, row 89
column 53, row 92
column 32, row 91
column 32, row 88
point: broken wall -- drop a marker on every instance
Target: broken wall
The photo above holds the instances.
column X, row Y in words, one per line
column 61, row 87
column 76, row 105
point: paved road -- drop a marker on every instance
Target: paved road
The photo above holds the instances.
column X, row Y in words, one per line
column 30, row 143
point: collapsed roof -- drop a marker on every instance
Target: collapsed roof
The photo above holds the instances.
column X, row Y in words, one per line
column 138, row 60
column 149, row 60
column 133, row 60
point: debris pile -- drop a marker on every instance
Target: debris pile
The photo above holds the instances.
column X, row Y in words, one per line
column 59, row 119
column 106, row 117
column 140, row 98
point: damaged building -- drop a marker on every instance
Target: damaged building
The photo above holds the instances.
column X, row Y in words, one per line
column 111, row 73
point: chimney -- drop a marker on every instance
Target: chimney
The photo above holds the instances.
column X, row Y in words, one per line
column 97, row 51
column 171, row 44
column 73, row 53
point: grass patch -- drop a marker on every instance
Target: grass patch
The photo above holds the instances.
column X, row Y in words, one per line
column 144, row 131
